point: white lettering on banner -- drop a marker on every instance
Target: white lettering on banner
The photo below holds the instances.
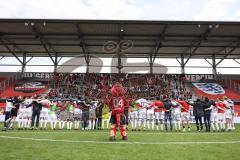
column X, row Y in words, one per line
column 197, row 77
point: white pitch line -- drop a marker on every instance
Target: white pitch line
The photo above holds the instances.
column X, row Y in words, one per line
column 130, row 133
column 131, row 143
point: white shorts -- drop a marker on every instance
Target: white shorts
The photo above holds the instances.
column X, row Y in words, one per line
column 21, row 113
column 77, row 111
column 176, row 116
column 92, row 114
column 44, row 113
column 142, row 114
column 159, row 115
column 150, row 114
column 52, row 117
column 28, row 112
column 214, row 117
column 133, row 115
column 221, row 116
column 228, row 114
column 185, row 116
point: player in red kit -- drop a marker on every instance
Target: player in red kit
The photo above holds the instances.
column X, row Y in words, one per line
column 117, row 105
column 158, row 112
column 185, row 114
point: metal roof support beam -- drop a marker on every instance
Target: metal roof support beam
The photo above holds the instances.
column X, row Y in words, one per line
column 178, row 61
column 24, row 63
column 11, row 51
column 2, row 57
column 55, row 63
column 46, row 46
column 228, row 53
column 119, row 66
column 29, row 60
column 86, row 55
column 203, row 37
column 83, row 47
column 214, row 67
column 208, row 61
column 236, row 61
column 182, row 64
column 152, row 58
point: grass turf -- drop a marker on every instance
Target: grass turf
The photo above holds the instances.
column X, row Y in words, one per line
column 64, row 145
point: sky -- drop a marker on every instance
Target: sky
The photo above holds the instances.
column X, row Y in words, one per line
column 192, row 10
column 219, row 10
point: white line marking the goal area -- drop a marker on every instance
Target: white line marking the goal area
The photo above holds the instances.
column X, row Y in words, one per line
column 121, row 142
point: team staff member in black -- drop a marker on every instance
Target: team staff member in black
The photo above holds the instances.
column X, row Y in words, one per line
column 36, row 109
column 99, row 115
column 198, row 113
column 168, row 115
column 207, row 113
column 85, row 113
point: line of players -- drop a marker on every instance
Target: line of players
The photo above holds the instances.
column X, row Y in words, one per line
column 141, row 114
column 64, row 113
column 178, row 114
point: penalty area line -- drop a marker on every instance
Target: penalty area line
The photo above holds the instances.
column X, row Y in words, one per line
column 121, row 142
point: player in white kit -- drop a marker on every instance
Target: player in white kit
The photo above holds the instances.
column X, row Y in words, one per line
column 52, row 113
column 133, row 115
column 28, row 112
column 92, row 115
column 21, row 114
column 214, row 118
column 229, row 113
column 150, row 116
column 176, row 115
column 77, row 117
column 142, row 112
column 44, row 113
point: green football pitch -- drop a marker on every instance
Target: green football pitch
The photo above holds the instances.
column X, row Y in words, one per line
column 84, row 145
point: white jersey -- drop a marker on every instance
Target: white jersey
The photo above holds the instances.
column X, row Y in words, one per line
column 77, row 111
column 27, row 102
column 143, row 102
column 213, row 109
column 9, row 105
column 28, row 110
column 229, row 103
column 22, row 106
column 142, row 110
column 176, row 108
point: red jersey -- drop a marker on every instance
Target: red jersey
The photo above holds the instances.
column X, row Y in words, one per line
column 158, row 106
column 220, row 107
column 185, row 106
column 117, row 105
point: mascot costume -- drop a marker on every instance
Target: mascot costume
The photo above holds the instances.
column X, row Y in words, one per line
column 117, row 105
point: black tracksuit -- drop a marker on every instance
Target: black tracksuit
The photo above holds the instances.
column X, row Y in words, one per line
column 168, row 117
column 99, row 115
column 207, row 114
column 198, row 113
column 37, row 107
